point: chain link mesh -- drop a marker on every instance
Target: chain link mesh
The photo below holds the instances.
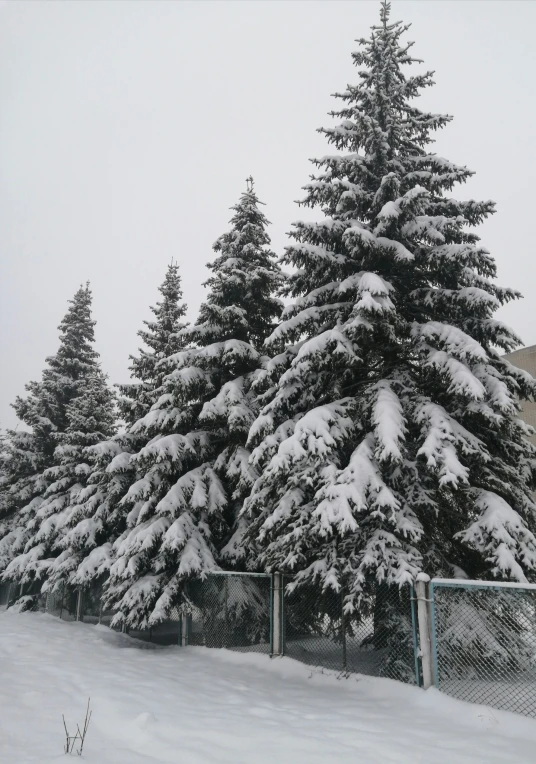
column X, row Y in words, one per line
column 4, row 596
column 26, row 596
column 231, row 611
column 485, row 636
column 234, row 611
column 91, row 610
column 486, row 645
column 166, row 632
column 63, row 602
column 379, row 639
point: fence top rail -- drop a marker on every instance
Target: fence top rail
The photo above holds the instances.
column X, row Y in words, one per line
column 237, row 573
column 469, row 584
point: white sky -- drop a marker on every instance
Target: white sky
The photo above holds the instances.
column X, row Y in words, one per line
column 127, row 130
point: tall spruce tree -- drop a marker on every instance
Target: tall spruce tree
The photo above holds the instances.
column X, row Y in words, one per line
column 97, row 517
column 194, row 465
column 389, row 441
column 44, row 411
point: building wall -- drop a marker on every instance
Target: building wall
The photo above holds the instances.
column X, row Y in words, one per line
column 525, row 358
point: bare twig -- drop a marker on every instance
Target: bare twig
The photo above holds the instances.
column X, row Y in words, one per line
column 67, row 739
column 70, row 740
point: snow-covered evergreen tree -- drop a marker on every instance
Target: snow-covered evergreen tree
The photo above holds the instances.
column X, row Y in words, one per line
column 21, row 484
column 91, row 419
column 389, row 441
column 194, row 464
column 28, row 455
column 97, row 517
column 161, row 338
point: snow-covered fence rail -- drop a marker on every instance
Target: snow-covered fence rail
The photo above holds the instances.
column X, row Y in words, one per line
column 378, row 639
column 484, row 642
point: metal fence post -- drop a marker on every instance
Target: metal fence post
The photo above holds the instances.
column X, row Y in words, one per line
column 79, row 604
column 343, row 634
column 433, row 636
column 63, row 590
column 283, row 613
column 423, row 613
column 226, row 596
column 276, row 615
column 416, row 654
column 184, row 629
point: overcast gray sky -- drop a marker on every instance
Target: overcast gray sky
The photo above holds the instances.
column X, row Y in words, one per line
column 127, row 130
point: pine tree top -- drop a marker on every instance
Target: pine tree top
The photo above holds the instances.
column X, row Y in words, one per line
column 44, row 410
column 77, row 335
column 245, row 277
column 163, row 338
column 160, row 335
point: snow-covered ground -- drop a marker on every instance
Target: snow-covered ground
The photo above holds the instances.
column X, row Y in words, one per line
column 198, row 706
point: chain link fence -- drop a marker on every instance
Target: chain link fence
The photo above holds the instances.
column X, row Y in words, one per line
column 4, row 596
column 478, row 638
column 379, row 639
column 236, row 611
column 168, row 632
column 63, row 602
column 223, row 610
column 484, row 643
column 26, row 596
column 230, row 610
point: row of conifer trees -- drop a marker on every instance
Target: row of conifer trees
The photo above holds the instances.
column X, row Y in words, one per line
column 364, row 430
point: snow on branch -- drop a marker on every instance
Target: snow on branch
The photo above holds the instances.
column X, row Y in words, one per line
column 198, row 488
column 389, row 423
column 442, row 436
column 500, row 534
column 316, row 434
column 451, row 339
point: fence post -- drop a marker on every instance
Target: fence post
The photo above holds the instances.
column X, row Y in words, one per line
column 226, row 595
column 276, row 615
column 343, row 634
column 184, row 629
column 79, row 604
column 63, row 590
column 423, row 614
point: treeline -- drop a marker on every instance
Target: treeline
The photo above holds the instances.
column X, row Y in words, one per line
column 364, row 433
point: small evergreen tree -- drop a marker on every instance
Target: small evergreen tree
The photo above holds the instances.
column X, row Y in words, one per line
column 389, row 441
column 181, row 504
column 27, row 455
